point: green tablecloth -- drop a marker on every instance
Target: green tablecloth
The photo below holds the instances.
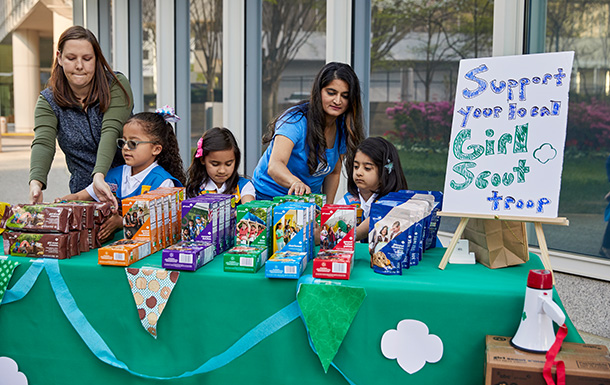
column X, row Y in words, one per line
column 209, row 310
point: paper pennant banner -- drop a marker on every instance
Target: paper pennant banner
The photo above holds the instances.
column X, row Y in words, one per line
column 329, row 311
column 151, row 289
column 6, row 272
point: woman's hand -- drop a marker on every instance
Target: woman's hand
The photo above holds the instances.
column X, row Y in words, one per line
column 108, row 228
column 102, row 190
column 69, row 197
column 298, row 188
column 35, row 191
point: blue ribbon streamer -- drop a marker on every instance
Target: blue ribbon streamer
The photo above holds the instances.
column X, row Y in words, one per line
column 25, row 283
column 99, row 348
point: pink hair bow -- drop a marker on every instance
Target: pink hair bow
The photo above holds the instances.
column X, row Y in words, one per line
column 199, row 152
column 168, row 113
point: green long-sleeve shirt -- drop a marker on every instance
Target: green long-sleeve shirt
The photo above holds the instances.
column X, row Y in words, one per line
column 45, row 130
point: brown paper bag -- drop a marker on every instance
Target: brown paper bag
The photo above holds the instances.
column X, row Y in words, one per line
column 497, row 243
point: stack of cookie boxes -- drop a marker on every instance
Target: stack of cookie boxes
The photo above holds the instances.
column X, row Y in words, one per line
column 150, row 223
column 58, row 230
column 207, row 225
column 293, row 240
column 402, row 226
column 335, row 259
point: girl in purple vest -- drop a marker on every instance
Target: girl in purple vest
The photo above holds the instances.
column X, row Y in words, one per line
column 152, row 160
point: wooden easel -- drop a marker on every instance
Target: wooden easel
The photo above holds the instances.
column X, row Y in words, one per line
column 544, row 251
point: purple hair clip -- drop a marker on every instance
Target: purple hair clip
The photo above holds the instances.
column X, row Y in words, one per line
column 168, row 114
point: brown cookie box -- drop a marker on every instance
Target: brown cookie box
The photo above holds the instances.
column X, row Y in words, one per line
column 78, row 215
column 36, row 245
column 73, row 243
column 83, row 240
column 40, row 218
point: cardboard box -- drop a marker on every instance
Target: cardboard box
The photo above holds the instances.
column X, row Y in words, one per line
column 176, row 209
column 337, row 228
column 286, row 264
column 140, row 220
column 333, row 264
column 290, row 228
column 200, row 221
column 186, row 255
column 123, row 252
column 585, row 364
column 245, row 259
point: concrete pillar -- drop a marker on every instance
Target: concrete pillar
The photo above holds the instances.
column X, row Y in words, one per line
column 60, row 24
column 26, row 77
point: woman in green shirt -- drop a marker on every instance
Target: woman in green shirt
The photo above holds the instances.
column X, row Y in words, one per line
column 83, row 109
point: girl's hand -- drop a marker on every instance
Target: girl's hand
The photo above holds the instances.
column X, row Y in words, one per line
column 108, row 228
column 102, row 190
column 298, row 188
column 35, row 192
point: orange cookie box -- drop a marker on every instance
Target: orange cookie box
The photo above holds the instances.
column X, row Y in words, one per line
column 176, row 209
column 140, row 220
column 123, row 252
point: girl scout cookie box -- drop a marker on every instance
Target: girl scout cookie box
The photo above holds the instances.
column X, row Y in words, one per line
column 140, row 220
column 292, row 226
column 396, row 234
column 286, row 264
column 333, row 264
column 253, row 222
column 176, row 198
column 337, row 226
column 200, row 221
column 123, row 252
column 187, row 255
column 246, row 259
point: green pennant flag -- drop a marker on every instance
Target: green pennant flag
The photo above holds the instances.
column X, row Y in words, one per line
column 329, row 311
column 6, row 272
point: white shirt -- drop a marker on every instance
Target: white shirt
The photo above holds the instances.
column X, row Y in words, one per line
column 247, row 190
column 366, row 205
column 129, row 183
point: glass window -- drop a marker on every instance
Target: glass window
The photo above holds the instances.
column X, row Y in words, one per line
column 582, row 27
column 206, row 66
column 149, row 54
column 294, row 50
column 416, row 47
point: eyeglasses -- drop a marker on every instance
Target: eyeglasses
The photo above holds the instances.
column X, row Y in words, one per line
column 131, row 144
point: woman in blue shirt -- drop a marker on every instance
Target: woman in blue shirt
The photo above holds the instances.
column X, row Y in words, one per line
column 308, row 142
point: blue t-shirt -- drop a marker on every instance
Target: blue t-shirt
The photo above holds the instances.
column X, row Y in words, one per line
column 294, row 127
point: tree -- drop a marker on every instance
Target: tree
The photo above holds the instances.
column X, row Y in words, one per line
column 206, row 28
column 287, row 24
column 390, row 23
column 430, row 17
column 470, row 34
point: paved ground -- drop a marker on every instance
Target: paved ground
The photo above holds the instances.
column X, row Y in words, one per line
column 14, row 171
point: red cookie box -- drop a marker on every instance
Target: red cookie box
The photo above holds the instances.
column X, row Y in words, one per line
column 337, row 228
column 333, row 264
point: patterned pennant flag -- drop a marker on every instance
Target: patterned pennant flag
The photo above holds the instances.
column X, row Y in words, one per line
column 328, row 311
column 151, row 289
column 6, row 272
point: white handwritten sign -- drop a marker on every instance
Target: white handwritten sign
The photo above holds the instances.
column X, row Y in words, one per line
column 508, row 135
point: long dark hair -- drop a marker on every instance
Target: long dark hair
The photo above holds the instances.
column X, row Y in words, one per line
column 214, row 139
column 162, row 132
column 382, row 153
column 101, row 82
column 316, row 117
